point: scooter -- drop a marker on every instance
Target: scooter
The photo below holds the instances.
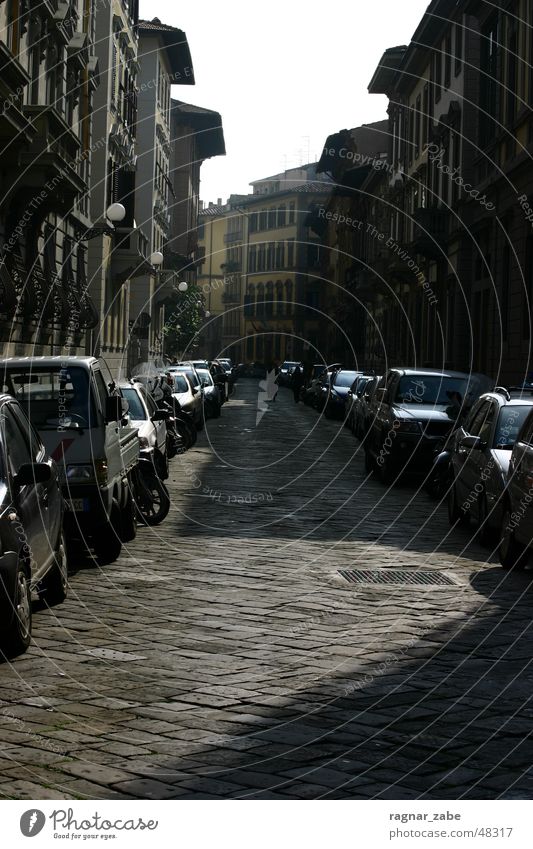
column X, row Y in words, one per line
column 150, row 495
column 438, row 479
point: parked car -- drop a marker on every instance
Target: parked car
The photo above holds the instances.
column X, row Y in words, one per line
column 516, row 538
column 312, row 395
column 285, row 372
column 480, row 453
column 212, row 394
column 150, row 423
column 413, row 411
column 81, row 418
column 32, row 539
column 188, row 397
column 196, row 408
column 200, row 364
column 354, row 401
column 335, row 392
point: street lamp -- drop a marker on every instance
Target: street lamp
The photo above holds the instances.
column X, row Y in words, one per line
column 183, row 286
column 157, row 259
column 207, row 314
column 116, row 213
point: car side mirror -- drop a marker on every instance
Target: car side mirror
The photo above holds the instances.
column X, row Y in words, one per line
column 114, row 409
column 32, row 473
column 472, row 442
column 161, row 416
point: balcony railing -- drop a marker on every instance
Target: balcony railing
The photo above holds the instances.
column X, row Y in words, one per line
column 235, row 236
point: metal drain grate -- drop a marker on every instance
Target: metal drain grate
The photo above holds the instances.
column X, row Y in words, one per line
column 396, row 577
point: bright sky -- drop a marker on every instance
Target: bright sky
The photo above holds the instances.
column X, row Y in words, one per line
column 283, row 74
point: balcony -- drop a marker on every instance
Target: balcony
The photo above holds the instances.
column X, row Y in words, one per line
column 14, row 125
column 430, row 231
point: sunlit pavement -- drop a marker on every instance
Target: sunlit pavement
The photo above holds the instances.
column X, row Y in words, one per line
column 225, row 656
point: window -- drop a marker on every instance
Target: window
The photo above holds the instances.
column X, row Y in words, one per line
column 253, row 222
column 437, row 74
column 280, row 254
column 290, row 253
column 271, row 219
column 253, row 259
column 136, row 410
column 506, row 278
column 448, row 61
column 418, row 128
column 282, row 215
column 263, row 219
column 54, row 397
column 36, row 446
column 261, row 258
column 489, row 81
column 425, row 117
column 270, row 256
column 458, row 47
column 411, row 133
column 292, row 212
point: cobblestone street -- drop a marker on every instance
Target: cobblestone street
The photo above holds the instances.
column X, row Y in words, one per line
column 225, row 656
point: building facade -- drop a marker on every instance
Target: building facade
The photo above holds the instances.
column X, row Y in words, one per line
column 48, row 77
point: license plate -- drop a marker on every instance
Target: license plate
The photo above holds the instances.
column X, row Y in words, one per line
column 77, row 505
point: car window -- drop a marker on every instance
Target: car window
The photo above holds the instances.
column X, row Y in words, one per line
column 527, row 431
column 510, row 422
column 479, row 421
column 101, row 389
column 36, row 446
column 431, row 389
column 53, row 396
column 180, row 383
column 343, row 379
column 15, row 442
column 136, row 409
column 149, row 401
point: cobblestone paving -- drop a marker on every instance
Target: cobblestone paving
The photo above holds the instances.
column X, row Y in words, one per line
column 223, row 656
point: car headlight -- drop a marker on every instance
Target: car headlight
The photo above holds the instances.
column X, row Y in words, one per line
column 88, row 474
column 408, row 427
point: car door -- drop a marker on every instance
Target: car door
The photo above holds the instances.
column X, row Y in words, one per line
column 160, row 427
column 473, row 460
column 29, row 501
column 521, row 483
column 52, row 498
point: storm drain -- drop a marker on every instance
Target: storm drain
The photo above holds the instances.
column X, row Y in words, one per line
column 397, row 577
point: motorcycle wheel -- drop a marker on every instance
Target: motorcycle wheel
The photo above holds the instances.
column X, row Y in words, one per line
column 153, row 501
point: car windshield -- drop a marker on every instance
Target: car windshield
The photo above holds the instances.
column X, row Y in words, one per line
column 192, row 375
column 53, row 396
column 432, row 389
column 136, row 409
column 288, row 365
column 344, row 379
column 180, row 383
column 510, row 421
column 205, row 377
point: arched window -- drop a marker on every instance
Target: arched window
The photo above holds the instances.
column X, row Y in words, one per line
column 269, row 305
column 279, row 298
column 288, row 298
column 260, row 311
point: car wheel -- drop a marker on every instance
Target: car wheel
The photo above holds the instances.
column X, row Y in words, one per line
column 16, row 640
column 485, row 534
column 512, row 555
column 54, row 586
column 456, row 514
column 369, row 462
column 106, row 542
column 386, row 472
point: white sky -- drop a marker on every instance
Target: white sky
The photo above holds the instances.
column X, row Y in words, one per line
column 284, row 75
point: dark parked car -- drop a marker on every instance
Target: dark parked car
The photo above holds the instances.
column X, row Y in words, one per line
column 480, row 453
column 335, row 392
column 286, row 370
column 32, row 542
column 353, row 399
column 517, row 523
column 413, row 412
column 313, row 394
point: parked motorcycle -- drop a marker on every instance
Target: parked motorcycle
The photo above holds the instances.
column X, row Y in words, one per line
column 150, row 495
column 182, row 422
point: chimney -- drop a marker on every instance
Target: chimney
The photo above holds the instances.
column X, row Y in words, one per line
column 219, row 201
column 200, row 205
column 211, row 204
